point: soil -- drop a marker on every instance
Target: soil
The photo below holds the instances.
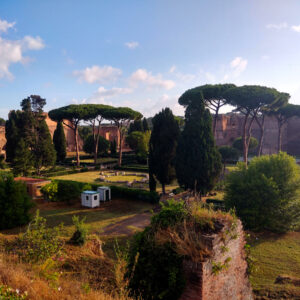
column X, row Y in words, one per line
column 121, row 228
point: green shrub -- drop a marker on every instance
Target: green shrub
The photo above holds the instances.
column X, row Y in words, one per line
column 81, row 231
column 177, row 190
column 49, row 191
column 38, row 243
column 15, row 204
column 7, row 293
column 266, row 195
column 68, row 190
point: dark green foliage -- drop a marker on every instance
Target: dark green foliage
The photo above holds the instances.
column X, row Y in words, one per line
column 238, row 144
column 15, row 204
column 22, row 160
column 29, row 126
column 60, row 144
column 85, row 132
column 136, row 125
column 113, row 147
column 162, row 147
column 155, row 271
column 68, row 191
column 81, row 231
column 89, row 147
column 2, row 122
column 145, row 125
column 198, row 161
column 12, row 133
column 43, row 151
column 265, row 195
column 228, row 154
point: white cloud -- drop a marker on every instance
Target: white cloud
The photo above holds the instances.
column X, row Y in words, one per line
column 279, row 26
column 151, row 81
column 265, row 57
column 11, row 52
column 296, row 28
column 95, row 73
column 132, row 45
column 113, row 92
column 32, row 43
column 4, row 25
column 238, row 65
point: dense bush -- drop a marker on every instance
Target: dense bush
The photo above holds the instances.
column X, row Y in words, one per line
column 68, row 190
column 89, row 145
column 265, row 195
column 15, row 204
column 38, row 243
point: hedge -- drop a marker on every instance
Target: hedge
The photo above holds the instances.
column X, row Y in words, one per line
column 116, row 191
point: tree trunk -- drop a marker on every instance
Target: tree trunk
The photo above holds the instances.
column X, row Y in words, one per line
column 279, row 136
column 248, row 139
column 163, row 188
column 120, row 147
column 245, row 152
column 262, row 134
column 77, row 146
column 215, row 120
column 96, row 141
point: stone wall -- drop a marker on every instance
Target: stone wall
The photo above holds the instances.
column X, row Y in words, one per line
column 230, row 283
column 229, row 127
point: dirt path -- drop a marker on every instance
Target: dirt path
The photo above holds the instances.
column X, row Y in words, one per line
column 123, row 227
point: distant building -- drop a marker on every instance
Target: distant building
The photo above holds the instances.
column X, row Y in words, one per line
column 33, row 185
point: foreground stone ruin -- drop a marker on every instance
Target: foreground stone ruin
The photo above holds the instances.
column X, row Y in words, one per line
column 223, row 275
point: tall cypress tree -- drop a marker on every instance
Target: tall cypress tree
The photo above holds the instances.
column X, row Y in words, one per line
column 60, row 144
column 145, row 125
column 163, row 143
column 198, row 161
column 43, row 151
column 22, row 160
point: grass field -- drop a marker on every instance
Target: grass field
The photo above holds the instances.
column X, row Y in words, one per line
column 108, row 213
column 93, row 177
column 275, row 255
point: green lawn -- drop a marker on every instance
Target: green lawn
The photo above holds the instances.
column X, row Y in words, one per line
column 108, row 213
column 93, row 177
column 275, row 255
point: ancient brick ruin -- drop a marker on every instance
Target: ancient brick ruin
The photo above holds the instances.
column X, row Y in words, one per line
column 229, row 127
column 229, row 280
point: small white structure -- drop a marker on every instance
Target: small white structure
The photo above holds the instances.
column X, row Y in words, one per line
column 104, row 192
column 90, row 199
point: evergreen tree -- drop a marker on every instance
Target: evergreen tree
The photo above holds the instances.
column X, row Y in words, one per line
column 113, row 147
column 136, row 125
column 198, row 161
column 43, row 151
column 163, row 143
column 60, row 144
column 145, row 125
column 22, row 161
column 12, row 135
column 152, row 181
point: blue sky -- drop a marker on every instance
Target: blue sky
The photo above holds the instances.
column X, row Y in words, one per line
column 144, row 54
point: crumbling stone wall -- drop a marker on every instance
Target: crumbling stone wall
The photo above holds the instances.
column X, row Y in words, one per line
column 231, row 281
